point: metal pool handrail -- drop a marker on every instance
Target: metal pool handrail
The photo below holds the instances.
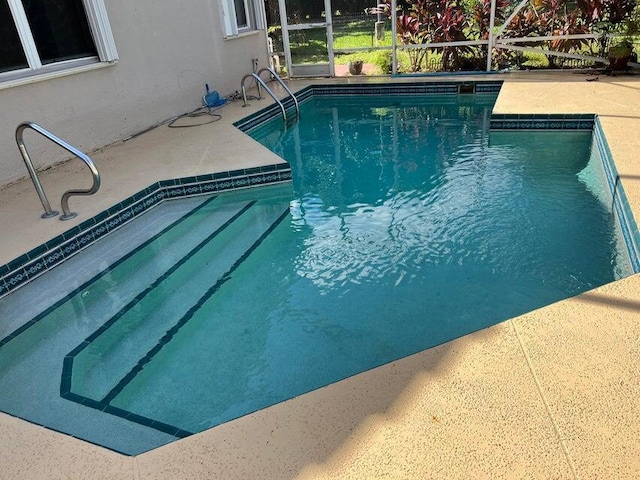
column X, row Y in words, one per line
column 264, row 85
column 48, row 212
column 277, row 78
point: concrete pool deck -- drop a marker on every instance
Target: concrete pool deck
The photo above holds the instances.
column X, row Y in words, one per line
column 550, row 394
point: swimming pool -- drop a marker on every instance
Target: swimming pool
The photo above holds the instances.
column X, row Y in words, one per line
column 355, row 263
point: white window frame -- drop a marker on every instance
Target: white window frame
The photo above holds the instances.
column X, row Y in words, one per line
column 230, row 22
column 101, row 33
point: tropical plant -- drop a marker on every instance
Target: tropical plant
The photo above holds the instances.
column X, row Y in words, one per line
column 422, row 22
column 570, row 17
column 429, row 21
column 408, row 30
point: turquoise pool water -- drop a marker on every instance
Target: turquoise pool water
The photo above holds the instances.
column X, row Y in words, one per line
column 407, row 225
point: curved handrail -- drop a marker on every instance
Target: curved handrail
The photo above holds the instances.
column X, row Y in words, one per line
column 277, row 78
column 244, row 90
column 264, row 85
column 67, row 214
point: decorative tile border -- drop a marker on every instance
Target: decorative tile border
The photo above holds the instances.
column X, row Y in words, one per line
column 415, row 88
column 534, row 121
column 623, row 213
column 34, row 263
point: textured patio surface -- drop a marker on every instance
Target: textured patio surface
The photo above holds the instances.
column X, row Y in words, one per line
column 551, row 394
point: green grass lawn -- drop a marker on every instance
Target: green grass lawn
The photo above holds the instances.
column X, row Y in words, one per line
column 310, row 46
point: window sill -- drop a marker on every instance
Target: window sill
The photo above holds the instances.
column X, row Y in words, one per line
column 243, row 34
column 58, row 72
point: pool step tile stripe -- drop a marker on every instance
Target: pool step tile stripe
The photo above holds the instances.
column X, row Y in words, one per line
column 158, row 241
column 104, row 404
column 39, row 260
column 98, row 364
column 193, row 310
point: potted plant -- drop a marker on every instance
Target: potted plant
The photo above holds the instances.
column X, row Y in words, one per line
column 620, row 49
column 620, row 54
column 355, row 67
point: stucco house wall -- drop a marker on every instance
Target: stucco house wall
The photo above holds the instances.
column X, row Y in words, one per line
column 167, row 52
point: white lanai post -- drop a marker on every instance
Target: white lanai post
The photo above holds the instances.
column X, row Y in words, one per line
column 394, row 28
column 285, row 36
column 492, row 22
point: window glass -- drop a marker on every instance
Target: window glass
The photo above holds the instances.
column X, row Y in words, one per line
column 60, row 29
column 241, row 14
column 12, row 55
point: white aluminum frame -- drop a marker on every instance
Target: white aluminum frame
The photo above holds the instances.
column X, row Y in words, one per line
column 495, row 41
column 253, row 11
column 313, row 69
column 101, row 33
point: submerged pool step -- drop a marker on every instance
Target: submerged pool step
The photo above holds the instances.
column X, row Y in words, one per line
column 115, row 349
column 99, row 299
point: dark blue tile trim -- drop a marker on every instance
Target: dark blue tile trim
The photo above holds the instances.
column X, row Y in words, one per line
column 413, row 88
column 622, row 210
column 536, row 121
column 34, row 263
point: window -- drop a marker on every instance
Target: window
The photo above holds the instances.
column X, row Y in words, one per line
column 242, row 19
column 40, row 36
column 241, row 16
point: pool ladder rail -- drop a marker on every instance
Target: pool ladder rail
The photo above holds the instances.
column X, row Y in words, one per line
column 261, row 83
column 48, row 211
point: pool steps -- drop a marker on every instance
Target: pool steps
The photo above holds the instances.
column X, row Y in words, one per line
column 149, row 263
column 103, row 359
column 100, row 367
column 45, row 257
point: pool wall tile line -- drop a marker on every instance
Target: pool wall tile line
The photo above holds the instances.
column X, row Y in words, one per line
column 624, row 217
column 39, row 260
column 434, row 88
column 537, row 121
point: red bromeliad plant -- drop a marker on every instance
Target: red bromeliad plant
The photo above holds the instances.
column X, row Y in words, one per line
column 408, row 31
column 481, row 16
column 608, row 16
column 614, row 11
